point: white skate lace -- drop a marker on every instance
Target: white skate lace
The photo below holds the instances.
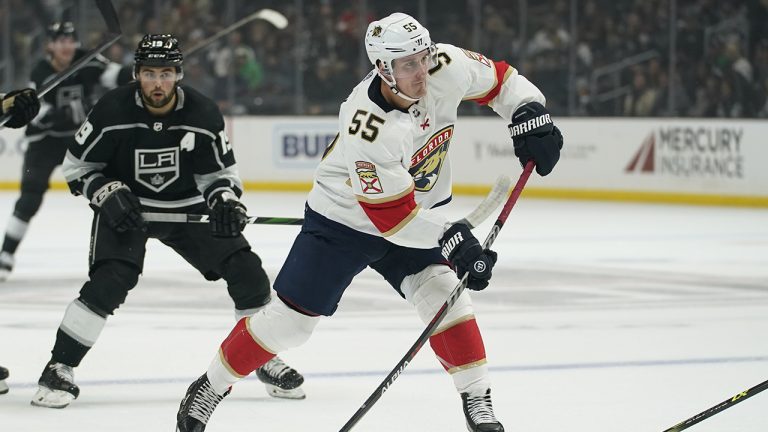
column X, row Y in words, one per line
column 480, row 409
column 276, row 368
column 204, row 402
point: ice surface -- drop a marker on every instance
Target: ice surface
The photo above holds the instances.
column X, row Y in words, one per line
column 600, row 317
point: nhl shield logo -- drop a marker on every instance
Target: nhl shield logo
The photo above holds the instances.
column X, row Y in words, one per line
column 158, row 126
column 156, row 169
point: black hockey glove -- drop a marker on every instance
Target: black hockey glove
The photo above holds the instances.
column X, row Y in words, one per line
column 228, row 215
column 119, row 206
column 535, row 137
column 22, row 105
column 466, row 254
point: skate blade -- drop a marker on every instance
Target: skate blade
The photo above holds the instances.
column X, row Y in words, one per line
column 277, row 392
column 3, row 387
column 48, row 398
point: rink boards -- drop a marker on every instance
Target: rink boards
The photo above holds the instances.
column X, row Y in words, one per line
column 696, row 161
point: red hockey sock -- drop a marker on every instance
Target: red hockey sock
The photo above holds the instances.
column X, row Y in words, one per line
column 242, row 352
column 460, row 346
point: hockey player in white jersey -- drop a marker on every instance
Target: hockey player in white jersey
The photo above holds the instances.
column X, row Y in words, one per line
column 371, row 206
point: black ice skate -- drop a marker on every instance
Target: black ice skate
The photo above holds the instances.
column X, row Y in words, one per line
column 478, row 411
column 3, row 376
column 56, row 386
column 281, row 380
column 197, row 406
column 6, row 265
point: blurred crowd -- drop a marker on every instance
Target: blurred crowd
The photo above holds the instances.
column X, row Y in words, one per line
column 601, row 57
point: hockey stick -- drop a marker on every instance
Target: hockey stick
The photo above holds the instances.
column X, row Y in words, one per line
column 685, row 424
column 110, row 19
column 200, row 218
column 269, row 15
column 475, row 218
column 452, row 298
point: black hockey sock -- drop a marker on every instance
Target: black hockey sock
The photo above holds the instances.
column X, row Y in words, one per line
column 10, row 245
column 67, row 350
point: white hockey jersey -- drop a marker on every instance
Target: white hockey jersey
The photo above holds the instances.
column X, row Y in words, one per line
column 387, row 168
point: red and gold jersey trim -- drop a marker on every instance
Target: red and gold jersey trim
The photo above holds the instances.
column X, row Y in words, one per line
column 503, row 72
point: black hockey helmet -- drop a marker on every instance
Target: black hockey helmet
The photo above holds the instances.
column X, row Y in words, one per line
column 61, row 29
column 158, row 50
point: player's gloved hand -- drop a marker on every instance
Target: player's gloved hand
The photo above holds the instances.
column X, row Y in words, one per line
column 535, row 137
column 119, row 206
column 22, row 105
column 466, row 254
column 228, row 215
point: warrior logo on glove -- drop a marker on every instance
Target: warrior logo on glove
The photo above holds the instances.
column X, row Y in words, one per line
column 535, row 137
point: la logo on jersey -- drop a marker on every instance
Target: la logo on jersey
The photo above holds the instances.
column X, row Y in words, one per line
column 369, row 179
column 428, row 160
column 156, row 169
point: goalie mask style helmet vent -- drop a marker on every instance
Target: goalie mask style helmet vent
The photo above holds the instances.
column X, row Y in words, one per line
column 61, row 29
column 393, row 37
column 158, row 50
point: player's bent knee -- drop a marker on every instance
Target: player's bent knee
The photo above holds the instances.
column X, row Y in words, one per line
column 109, row 285
column 430, row 288
column 27, row 205
column 279, row 327
column 247, row 282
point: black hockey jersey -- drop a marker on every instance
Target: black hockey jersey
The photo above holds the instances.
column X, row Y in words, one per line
column 63, row 109
column 170, row 162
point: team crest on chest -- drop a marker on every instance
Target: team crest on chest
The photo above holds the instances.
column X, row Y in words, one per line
column 428, row 160
column 156, row 169
column 369, row 179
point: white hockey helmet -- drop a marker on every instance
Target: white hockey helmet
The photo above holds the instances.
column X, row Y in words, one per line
column 393, row 37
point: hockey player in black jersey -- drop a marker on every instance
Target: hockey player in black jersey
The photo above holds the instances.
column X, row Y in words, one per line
column 155, row 145
column 22, row 106
column 51, row 131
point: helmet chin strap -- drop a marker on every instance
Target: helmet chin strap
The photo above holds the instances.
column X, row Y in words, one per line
column 393, row 86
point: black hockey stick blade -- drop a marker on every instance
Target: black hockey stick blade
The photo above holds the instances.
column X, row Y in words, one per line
column 201, row 218
column 438, row 318
column 724, row 405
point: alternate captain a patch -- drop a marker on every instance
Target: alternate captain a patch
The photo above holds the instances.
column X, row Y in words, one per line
column 428, row 160
column 369, row 179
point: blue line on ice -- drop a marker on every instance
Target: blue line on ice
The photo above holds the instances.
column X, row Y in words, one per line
column 436, row 370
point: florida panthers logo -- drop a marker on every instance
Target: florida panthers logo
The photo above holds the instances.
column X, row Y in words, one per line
column 428, row 160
